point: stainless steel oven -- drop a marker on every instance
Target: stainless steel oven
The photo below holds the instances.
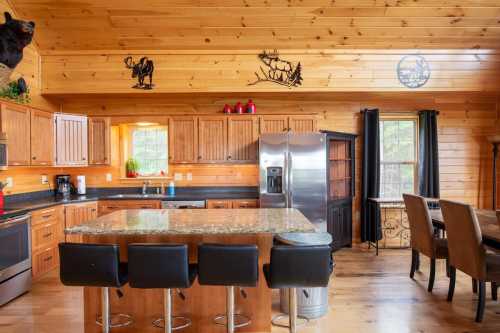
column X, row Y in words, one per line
column 15, row 257
column 3, row 151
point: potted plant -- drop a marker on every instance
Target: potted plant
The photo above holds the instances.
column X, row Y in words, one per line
column 132, row 167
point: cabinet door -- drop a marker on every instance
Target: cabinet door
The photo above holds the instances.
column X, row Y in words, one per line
column 183, row 136
column 212, row 139
column 246, row 203
column 302, row 123
column 15, row 122
column 219, row 204
column 109, row 206
column 273, row 124
column 99, row 138
column 339, row 223
column 71, row 140
column 42, row 137
column 77, row 214
column 243, row 135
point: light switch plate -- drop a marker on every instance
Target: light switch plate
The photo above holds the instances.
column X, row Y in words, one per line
column 45, row 180
column 109, row 177
column 9, row 181
column 178, row 176
column 189, row 176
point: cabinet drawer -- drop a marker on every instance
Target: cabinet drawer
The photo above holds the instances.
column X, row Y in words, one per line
column 44, row 235
column 109, row 206
column 46, row 215
column 219, row 204
column 246, row 203
column 45, row 260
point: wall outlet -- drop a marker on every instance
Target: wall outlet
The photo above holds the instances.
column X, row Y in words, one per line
column 9, row 182
column 178, row 176
column 109, row 177
column 189, row 176
column 45, row 180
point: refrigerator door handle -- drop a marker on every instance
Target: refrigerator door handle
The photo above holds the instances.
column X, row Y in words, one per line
column 285, row 178
column 290, row 180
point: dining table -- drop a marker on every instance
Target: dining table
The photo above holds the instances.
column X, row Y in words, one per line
column 488, row 222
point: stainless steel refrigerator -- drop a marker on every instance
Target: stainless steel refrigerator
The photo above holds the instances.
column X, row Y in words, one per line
column 293, row 173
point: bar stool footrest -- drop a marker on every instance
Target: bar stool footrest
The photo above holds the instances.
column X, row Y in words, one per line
column 279, row 321
column 179, row 322
column 116, row 320
column 239, row 320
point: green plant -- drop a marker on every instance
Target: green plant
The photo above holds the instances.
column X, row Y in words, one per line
column 132, row 166
column 14, row 92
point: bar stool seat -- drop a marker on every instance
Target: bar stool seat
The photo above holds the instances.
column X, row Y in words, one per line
column 230, row 266
column 95, row 265
column 162, row 266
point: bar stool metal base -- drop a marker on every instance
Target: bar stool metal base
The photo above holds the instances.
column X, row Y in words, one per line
column 239, row 320
column 107, row 320
column 116, row 320
column 183, row 322
column 279, row 321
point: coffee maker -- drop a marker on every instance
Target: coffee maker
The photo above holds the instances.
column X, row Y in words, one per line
column 63, row 185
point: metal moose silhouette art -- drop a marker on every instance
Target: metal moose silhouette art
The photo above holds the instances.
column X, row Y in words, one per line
column 278, row 71
column 144, row 68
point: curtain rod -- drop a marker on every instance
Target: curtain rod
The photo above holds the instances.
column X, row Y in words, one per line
column 409, row 112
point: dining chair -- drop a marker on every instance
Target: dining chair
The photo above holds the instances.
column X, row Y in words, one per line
column 423, row 239
column 467, row 251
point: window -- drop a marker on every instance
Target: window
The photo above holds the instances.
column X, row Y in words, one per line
column 398, row 156
column 148, row 145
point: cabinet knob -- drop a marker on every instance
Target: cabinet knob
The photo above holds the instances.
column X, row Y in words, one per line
column 33, row 158
column 199, row 157
column 229, row 157
column 84, row 159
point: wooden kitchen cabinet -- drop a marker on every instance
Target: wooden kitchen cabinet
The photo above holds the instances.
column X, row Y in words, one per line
column 246, row 203
column 219, row 204
column 302, row 123
column 15, row 122
column 183, row 139
column 109, row 206
column 42, row 134
column 212, row 139
column 279, row 124
column 243, row 136
column 47, row 231
column 273, row 124
column 77, row 214
column 99, row 140
column 71, row 140
column 229, row 203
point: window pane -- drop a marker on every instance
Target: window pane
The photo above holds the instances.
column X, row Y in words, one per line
column 396, row 179
column 149, row 148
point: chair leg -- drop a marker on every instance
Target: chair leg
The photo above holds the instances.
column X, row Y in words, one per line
column 167, row 299
column 414, row 254
column 474, row 286
column 447, row 267
column 481, row 301
column 451, row 288
column 292, row 304
column 230, row 309
column 494, row 291
column 417, row 265
column 432, row 275
column 105, row 309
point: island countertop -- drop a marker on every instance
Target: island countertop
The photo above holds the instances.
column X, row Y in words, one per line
column 196, row 222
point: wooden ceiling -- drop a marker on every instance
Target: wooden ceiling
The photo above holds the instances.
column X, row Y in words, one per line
column 261, row 24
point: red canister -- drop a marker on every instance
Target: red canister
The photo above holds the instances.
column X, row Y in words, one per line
column 250, row 107
column 238, row 108
column 227, row 109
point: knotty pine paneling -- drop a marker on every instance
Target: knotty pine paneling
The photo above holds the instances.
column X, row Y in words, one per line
column 231, row 71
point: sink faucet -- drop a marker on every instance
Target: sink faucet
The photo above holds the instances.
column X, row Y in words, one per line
column 145, row 187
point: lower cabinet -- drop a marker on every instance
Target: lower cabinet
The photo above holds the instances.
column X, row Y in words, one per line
column 109, row 206
column 47, row 230
column 339, row 223
column 229, row 204
column 76, row 214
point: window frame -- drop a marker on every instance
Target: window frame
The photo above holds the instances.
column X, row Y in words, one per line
column 404, row 117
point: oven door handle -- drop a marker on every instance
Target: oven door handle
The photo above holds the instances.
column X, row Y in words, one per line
column 14, row 221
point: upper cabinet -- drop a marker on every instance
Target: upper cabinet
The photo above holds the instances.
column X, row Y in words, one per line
column 15, row 122
column 243, row 136
column 212, row 139
column 278, row 124
column 183, row 144
column 273, row 124
column 99, row 140
column 42, row 133
column 302, row 123
column 71, row 140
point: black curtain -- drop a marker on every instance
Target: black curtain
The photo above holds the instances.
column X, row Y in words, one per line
column 370, row 186
column 428, row 160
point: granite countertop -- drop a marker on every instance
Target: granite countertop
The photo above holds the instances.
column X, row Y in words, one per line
column 196, row 222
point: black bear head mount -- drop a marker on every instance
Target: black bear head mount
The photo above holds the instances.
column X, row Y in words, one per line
column 15, row 35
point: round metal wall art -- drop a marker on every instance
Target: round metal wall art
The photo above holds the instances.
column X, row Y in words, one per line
column 413, row 71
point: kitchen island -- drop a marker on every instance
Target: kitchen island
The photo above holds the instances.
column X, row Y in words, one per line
column 192, row 227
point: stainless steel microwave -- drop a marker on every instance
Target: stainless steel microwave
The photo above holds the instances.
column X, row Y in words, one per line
column 3, row 151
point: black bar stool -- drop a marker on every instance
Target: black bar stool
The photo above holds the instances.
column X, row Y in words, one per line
column 229, row 266
column 95, row 265
column 294, row 267
column 162, row 266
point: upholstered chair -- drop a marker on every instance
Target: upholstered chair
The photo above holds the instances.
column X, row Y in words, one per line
column 467, row 252
column 423, row 239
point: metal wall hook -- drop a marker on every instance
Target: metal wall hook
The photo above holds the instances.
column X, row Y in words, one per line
column 181, row 294
column 119, row 292
column 243, row 293
column 306, row 294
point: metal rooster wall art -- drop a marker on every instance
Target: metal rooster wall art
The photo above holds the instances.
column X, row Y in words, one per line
column 278, row 71
column 144, row 68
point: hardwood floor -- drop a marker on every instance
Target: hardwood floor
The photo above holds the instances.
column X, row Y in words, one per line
column 368, row 294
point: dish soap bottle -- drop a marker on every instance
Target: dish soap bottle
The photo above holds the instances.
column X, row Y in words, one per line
column 171, row 189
